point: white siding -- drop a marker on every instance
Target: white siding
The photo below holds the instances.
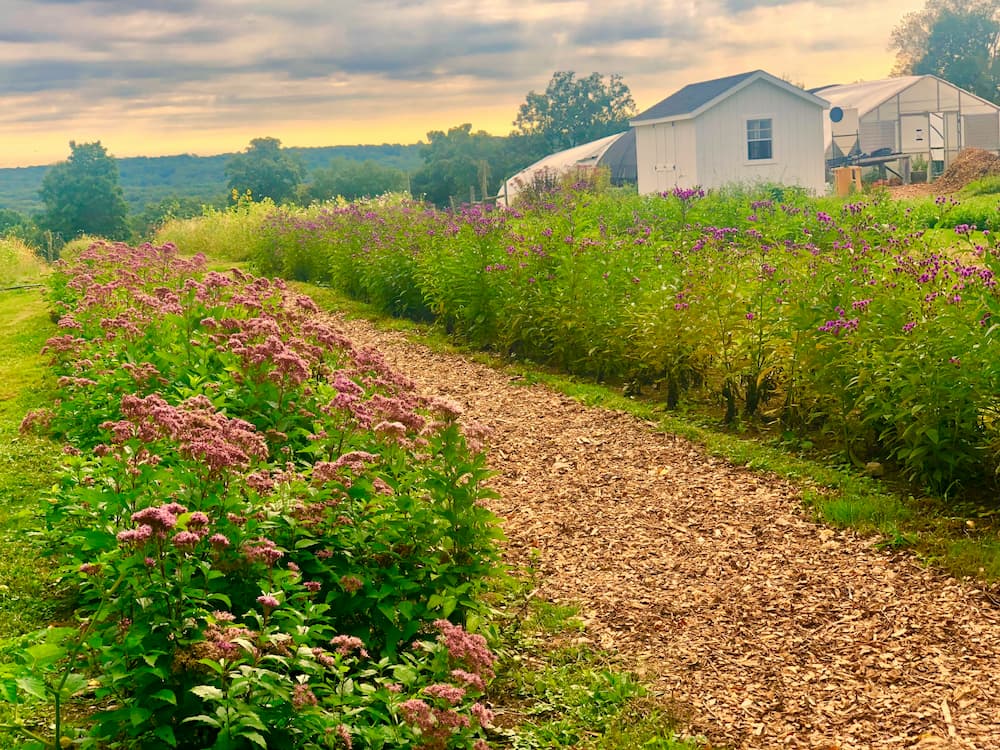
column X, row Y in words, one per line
column 666, row 156
column 797, row 146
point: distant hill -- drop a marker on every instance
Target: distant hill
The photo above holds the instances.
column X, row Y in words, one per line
column 148, row 179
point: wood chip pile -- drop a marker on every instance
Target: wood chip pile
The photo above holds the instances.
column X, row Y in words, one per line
column 763, row 628
column 969, row 165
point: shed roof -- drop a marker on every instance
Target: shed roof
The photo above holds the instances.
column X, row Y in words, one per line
column 695, row 98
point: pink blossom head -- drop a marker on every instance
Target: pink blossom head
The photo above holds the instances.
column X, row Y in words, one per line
column 186, row 540
column 267, row 601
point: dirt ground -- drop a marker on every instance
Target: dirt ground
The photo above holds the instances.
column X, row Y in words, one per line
column 763, row 628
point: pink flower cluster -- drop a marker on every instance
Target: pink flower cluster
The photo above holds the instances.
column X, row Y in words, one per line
column 201, row 433
column 466, row 648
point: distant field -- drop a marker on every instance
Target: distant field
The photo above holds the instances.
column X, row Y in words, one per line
column 147, row 179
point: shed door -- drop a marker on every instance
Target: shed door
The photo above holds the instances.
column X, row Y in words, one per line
column 665, row 166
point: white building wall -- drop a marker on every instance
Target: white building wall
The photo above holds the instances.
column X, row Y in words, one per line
column 666, row 156
column 797, row 140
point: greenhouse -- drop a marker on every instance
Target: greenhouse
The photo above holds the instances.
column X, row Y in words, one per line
column 614, row 152
column 922, row 117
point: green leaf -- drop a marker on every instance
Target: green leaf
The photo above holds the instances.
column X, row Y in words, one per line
column 256, row 738
column 43, row 654
column 208, row 692
column 75, row 683
column 219, row 596
column 166, row 733
column 33, row 687
column 165, row 695
column 8, row 691
column 138, row 715
column 210, row 720
column 213, row 665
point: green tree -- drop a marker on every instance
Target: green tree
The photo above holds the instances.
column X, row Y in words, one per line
column 454, row 164
column 266, row 170
column 957, row 40
column 459, row 164
column 576, row 110
column 354, row 179
column 9, row 218
column 82, row 195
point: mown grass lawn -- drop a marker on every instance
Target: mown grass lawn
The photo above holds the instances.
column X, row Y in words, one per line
column 26, row 462
column 27, row 598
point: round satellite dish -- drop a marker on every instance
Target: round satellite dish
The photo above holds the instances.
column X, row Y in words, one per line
column 836, row 114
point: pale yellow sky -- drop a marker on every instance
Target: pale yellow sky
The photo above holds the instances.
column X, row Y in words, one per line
column 206, row 76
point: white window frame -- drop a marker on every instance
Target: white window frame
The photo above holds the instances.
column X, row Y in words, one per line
column 745, row 137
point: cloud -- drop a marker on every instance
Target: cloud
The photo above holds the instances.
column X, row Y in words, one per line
column 220, row 65
column 743, row 6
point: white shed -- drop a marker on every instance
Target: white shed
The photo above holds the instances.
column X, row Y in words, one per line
column 912, row 115
column 751, row 127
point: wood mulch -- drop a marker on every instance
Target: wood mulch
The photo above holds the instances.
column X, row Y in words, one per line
column 763, row 628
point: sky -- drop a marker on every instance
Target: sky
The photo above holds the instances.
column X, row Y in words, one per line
column 155, row 77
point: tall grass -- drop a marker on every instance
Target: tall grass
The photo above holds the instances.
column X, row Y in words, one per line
column 18, row 263
column 231, row 234
column 984, row 186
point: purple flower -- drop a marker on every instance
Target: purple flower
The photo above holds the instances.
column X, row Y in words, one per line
column 135, row 536
column 267, row 601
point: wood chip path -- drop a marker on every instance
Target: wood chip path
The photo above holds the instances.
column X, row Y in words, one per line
column 767, row 630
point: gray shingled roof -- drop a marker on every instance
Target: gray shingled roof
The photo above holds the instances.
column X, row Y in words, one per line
column 692, row 96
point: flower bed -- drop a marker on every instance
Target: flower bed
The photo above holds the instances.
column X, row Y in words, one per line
column 272, row 539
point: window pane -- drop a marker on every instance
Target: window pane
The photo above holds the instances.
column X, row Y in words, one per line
column 759, row 129
column 759, row 150
column 759, row 139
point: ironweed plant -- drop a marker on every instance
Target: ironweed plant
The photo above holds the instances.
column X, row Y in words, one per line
column 844, row 318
